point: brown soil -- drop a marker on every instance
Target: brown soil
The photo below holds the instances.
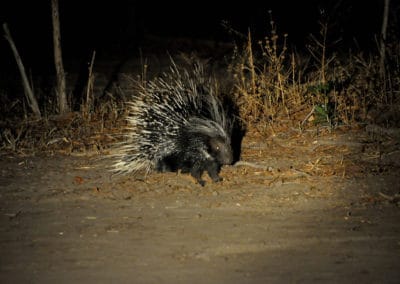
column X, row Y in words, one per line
column 307, row 207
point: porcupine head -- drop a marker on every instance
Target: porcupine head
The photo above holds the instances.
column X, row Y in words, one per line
column 207, row 149
column 221, row 151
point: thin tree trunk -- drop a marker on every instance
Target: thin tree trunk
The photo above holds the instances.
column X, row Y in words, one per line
column 383, row 36
column 61, row 85
column 30, row 97
column 89, row 88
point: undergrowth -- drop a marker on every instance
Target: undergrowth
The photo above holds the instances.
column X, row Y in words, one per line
column 324, row 87
column 271, row 82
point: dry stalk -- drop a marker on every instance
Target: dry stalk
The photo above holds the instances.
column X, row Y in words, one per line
column 88, row 105
column 249, row 52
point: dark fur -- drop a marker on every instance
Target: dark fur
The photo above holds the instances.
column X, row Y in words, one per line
column 198, row 153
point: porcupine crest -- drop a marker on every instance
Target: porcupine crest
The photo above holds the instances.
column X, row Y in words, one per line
column 176, row 122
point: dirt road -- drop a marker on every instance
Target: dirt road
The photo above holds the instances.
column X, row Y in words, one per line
column 306, row 209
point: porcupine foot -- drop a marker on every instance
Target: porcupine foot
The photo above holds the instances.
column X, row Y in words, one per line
column 212, row 170
column 196, row 173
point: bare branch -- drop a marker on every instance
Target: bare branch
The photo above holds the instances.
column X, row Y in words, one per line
column 30, row 97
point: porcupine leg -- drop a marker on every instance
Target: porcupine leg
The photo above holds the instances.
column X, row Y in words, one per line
column 196, row 172
column 167, row 164
column 213, row 170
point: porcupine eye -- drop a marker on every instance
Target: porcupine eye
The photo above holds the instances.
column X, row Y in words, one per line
column 215, row 146
column 220, row 151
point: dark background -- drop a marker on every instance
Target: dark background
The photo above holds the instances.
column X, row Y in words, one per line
column 121, row 27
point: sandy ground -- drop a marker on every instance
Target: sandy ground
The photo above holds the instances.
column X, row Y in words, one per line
column 308, row 207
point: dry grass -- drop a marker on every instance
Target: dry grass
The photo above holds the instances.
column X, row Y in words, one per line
column 73, row 134
column 274, row 84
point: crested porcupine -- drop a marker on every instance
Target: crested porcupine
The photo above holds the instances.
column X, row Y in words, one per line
column 176, row 122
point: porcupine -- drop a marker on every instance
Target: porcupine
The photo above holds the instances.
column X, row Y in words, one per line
column 176, row 122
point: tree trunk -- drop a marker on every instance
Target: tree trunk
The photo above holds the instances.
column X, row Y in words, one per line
column 61, row 86
column 30, row 97
column 383, row 36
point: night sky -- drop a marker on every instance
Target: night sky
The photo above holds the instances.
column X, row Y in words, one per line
column 121, row 26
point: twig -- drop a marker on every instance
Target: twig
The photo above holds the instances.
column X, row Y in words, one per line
column 394, row 199
column 308, row 116
column 252, row 165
